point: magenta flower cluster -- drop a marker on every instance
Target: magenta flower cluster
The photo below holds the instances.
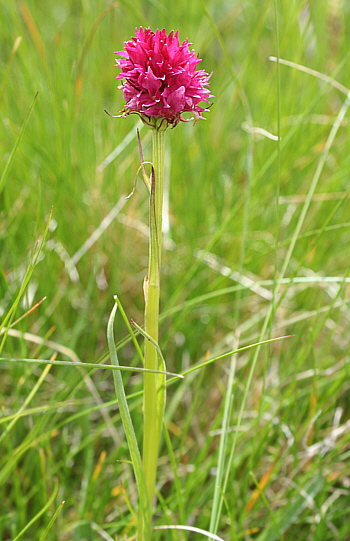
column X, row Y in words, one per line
column 160, row 77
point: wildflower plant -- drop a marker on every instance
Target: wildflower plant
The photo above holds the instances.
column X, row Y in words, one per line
column 161, row 82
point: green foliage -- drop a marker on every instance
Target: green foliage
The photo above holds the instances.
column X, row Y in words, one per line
column 226, row 284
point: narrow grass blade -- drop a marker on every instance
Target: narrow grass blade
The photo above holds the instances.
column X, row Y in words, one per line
column 278, row 183
column 127, row 501
column 38, row 208
column 130, row 433
column 167, row 514
column 229, row 353
column 268, row 506
column 89, row 365
column 33, row 31
column 223, row 445
column 50, row 524
column 312, row 72
column 10, row 160
column 230, row 515
column 126, row 321
column 87, row 44
column 146, row 178
column 38, row 515
column 28, row 312
column 176, row 477
column 33, row 261
column 261, row 485
column 161, row 399
column 26, row 402
column 150, row 339
column 9, row 64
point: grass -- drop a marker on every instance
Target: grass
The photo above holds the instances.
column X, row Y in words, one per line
column 239, row 265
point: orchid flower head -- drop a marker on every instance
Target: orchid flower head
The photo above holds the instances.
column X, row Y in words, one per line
column 160, row 79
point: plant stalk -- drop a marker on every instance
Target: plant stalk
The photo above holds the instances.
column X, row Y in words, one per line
column 152, row 412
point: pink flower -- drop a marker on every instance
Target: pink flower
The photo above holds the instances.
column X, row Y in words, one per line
column 160, row 78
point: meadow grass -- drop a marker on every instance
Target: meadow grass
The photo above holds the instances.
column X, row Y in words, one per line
column 256, row 247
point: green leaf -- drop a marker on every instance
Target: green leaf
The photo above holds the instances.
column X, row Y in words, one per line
column 130, row 433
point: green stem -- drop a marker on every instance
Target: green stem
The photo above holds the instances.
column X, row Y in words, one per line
column 151, row 412
column 158, row 139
